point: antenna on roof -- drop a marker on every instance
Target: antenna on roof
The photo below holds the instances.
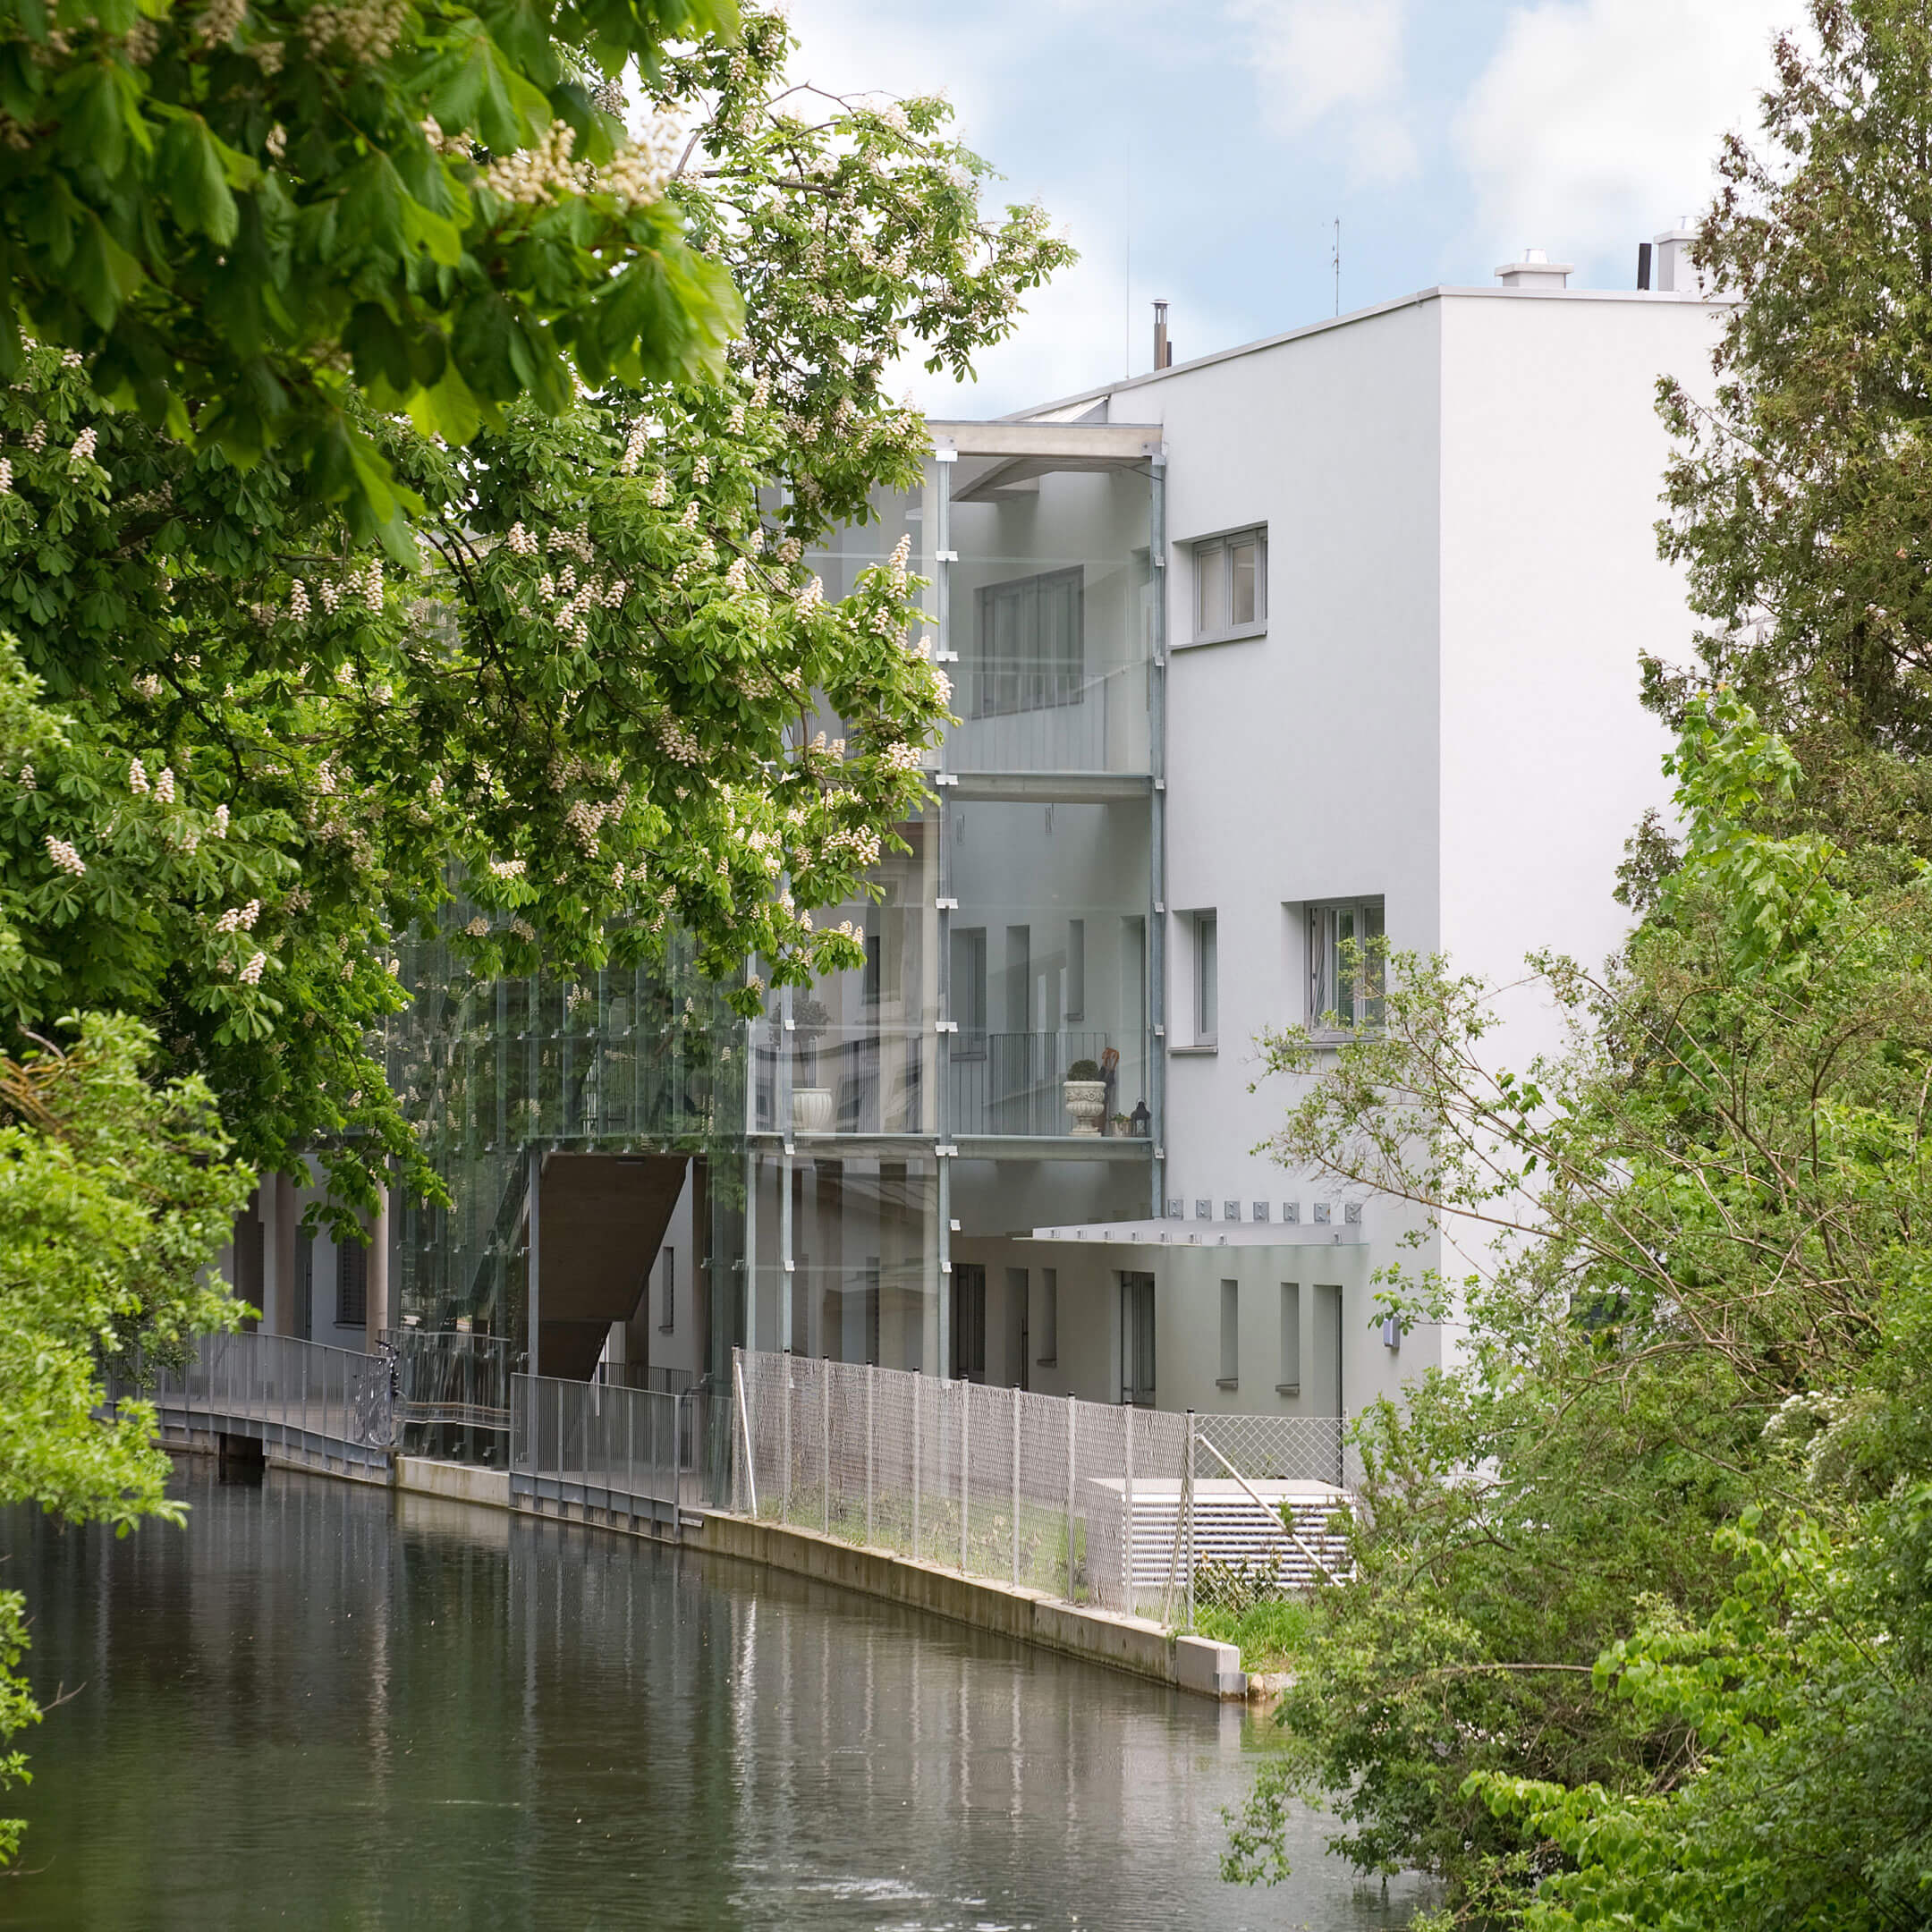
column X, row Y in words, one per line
column 1337, row 258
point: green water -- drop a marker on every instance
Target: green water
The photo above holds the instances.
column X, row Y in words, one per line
column 317, row 1706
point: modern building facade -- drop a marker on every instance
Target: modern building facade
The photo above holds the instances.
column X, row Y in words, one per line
column 1331, row 636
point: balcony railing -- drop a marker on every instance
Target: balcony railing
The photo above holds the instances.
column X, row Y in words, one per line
column 1015, row 1083
column 1096, row 722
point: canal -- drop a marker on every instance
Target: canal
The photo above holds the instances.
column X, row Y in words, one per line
column 320, row 1705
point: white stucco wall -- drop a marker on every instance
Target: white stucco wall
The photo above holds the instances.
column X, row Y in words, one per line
column 1460, row 493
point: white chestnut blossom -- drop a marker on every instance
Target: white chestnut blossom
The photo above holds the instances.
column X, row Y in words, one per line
column 65, row 856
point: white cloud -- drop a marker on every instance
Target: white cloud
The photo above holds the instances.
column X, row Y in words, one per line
column 1314, row 59
column 1597, row 122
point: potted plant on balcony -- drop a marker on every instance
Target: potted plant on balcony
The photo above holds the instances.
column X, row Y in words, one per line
column 1086, row 1097
column 811, row 1105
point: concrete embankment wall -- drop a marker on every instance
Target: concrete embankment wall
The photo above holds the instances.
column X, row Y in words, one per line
column 1193, row 1664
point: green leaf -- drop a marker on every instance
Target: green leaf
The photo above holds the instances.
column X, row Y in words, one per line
column 196, row 180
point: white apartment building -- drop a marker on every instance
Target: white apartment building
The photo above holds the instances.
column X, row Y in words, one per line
column 1410, row 564
column 1331, row 634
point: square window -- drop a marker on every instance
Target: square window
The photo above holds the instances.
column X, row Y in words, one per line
column 1229, row 585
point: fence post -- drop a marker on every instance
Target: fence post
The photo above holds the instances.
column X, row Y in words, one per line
column 1073, row 1426
column 825, row 1437
column 1016, row 1488
column 917, row 1380
column 785, row 1481
column 1187, row 1501
column 965, row 1389
column 871, row 1382
column 1127, row 1579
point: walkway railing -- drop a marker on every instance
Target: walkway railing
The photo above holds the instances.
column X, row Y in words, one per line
column 1085, row 1501
column 325, row 1407
column 634, row 1453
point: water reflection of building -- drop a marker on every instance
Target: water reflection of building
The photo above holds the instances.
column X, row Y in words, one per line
column 1325, row 638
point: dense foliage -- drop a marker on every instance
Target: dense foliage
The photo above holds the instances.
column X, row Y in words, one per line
column 114, row 1195
column 240, row 214
column 593, row 714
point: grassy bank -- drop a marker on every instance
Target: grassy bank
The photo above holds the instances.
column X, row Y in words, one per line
column 1270, row 1633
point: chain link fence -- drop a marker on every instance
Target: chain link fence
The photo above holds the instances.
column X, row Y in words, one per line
column 1083, row 1501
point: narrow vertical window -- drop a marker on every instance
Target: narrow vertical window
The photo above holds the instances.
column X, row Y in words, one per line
column 1049, row 1319
column 1244, row 560
column 1210, row 589
column 1076, row 970
column 1230, row 1336
column 1289, row 1380
column 1206, row 978
column 667, row 1290
column 1137, row 1340
column 351, row 1284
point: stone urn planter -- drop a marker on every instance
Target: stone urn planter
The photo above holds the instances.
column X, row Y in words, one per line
column 811, row 1110
column 1086, row 1098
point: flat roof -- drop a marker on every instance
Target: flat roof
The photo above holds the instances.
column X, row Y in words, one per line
column 1652, row 298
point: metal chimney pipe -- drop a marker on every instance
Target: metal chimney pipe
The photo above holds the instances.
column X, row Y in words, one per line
column 1163, row 351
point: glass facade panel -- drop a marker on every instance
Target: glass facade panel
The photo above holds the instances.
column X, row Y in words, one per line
column 647, row 1060
column 1049, row 961
column 1050, row 611
column 859, row 1056
column 864, row 1281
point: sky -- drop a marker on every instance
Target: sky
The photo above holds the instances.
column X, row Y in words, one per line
column 1202, row 152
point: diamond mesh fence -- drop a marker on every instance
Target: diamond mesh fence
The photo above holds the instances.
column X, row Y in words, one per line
column 1081, row 1501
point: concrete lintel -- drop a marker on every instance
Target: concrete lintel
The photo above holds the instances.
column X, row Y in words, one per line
column 1120, row 443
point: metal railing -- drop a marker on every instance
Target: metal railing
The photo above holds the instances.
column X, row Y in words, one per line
column 637, row 1454
column 318, row 1405
column 1117, row 1506
column 1014, row 1083
column 452, row 1394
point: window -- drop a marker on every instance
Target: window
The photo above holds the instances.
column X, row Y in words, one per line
column 1231, row 585
column 668, row 1289
column 968, row 995
column 1032, row 644
column 305, row 1284
column 1076, row 969
column 1207, row 979
column 1345, row 987
column 1049, row 1319
column 968, row 1321
column 1289, row 1382
column 1230, row 1377
column 351, row 1284
column 1137, row 1340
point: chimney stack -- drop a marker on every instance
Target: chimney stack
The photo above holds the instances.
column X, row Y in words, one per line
column 1674, row 272
column 1536, row 274
column 1643, row 265
column 1163, row 348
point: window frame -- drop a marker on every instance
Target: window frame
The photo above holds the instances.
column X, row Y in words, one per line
column 1322, row 919
column 1205, row 925
column 351, row 1284
column 1215, row 553
column 1041, row 681
column 1230, row 1376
